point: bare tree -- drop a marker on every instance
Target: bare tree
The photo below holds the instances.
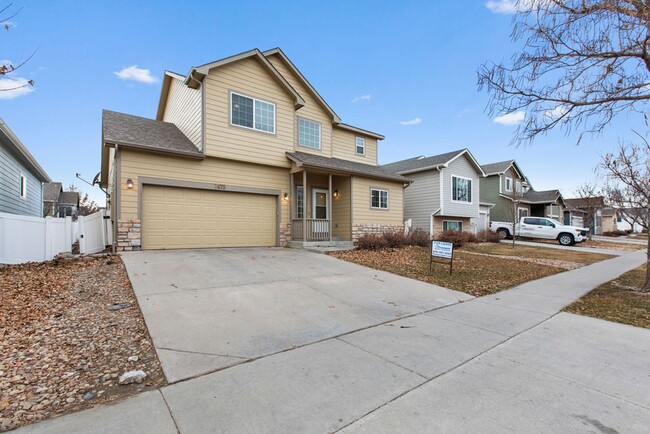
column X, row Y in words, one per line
column 6, row 69
column 591, row 200
column 515, row 196
column 582, row 63
column 628, row 174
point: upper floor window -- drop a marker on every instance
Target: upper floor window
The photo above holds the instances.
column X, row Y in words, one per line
column 252, row 113
column 378, row 198
column 461, row 189
column 508, row 184
column 23, row 186
column 308, row 133
column 361, row 146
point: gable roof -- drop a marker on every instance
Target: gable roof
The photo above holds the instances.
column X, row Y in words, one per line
column 69, row 198
column 164, row 92
column 585, row 202
column 545, row 196
column 421, row 163
column 13, row 143
column 336, row 164
column 277, row 51
column 198, row 73
column 141, row 133
column 501, row 167
column 51, row 191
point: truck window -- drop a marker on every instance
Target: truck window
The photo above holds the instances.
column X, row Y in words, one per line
column 531, row 221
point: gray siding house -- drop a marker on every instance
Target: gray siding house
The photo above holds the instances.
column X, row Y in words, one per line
column 21, row 177
column 444, row 193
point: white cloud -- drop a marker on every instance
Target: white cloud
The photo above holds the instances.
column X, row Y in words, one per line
column 557, row 112
column 14, row 87
column 413, row 121
column 365, row 98
column 510, row 6
column 138, row 74
column 513, row 118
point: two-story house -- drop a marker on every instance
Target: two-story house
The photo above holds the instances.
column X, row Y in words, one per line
column 444, row 194
column 509, row 190
column 244, row 152
column 21, row 177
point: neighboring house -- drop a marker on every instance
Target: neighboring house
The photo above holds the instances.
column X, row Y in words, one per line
column 243, row 152
column 578, row 212
column 21, row 177
column 444, row 194
column 506, row 183
column 613, row 220
column 59, row 203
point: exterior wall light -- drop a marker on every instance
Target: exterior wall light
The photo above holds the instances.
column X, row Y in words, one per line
column 286, row 196
column 336, row 193
column 129, row 183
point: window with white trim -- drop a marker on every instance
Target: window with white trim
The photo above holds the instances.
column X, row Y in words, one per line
column 452, row 225
column 508, row 184
column 252, row 113
column 308, row 133
column 461, row 189
column 523, row 212
column 23, row 186
column 300, row 202
column 361, row 146
column 378, row 198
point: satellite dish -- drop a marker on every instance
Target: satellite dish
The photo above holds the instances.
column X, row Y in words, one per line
column 96, row 178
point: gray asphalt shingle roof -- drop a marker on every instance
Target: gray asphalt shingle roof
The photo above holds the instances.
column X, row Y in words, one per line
column 541, row 196
column 499, row 167
column 69, row 198
column 345, row 166
column 420, row 162
column 136, row 131
column 51, row 191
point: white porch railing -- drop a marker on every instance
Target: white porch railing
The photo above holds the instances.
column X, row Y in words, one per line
column 317, row 230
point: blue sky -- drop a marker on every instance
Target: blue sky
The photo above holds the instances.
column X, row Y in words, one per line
column 404, row 69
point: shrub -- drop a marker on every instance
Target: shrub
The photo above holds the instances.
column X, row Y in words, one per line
column 486, row 236
column 394, row 239
column 457, row 238
column 418, row 237
column 371, row 242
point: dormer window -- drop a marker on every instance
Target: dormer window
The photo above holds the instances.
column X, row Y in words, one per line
column 252, row 113
column 361, row 146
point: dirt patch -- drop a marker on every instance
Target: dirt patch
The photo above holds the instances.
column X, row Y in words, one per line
column 618, row 301
column 62, row 348
column 473, row 274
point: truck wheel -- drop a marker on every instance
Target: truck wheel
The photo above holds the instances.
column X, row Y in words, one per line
column 566, row 239
column 503, row 233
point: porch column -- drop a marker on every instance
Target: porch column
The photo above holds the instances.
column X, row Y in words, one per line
column 329, row 207
column 291, row 199
column 304, row 205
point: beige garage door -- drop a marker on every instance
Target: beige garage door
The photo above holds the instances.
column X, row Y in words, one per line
column 174, row 218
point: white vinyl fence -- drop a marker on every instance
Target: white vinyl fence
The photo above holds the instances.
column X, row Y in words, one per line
column 26, row 239
column 94, row 232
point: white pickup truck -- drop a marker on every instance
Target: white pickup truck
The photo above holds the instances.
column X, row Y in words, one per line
column 541, row 227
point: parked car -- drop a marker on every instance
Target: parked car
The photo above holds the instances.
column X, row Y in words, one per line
column 542, row 228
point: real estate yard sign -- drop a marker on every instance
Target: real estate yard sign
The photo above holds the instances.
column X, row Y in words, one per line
column 442, row 249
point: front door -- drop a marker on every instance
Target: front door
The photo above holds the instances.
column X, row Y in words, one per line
column 319, row 200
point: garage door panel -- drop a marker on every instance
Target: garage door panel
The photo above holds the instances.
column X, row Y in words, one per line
column 188, row 218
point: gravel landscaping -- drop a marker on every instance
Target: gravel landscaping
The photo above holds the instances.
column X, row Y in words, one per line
column 68, row 331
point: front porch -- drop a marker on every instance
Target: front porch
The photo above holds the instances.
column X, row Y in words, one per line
column 321, row 207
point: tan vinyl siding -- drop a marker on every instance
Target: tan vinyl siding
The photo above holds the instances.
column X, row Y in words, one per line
column 422, row 198
column 184, row 110
column 344, row 147
column 312, row 110
column 362, row 213
column 250, row 78
column 211, row 170
column 341, row 209
column 464, row 168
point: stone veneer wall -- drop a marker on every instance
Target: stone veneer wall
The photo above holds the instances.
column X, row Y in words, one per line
column 373, row 228
column 129, row 235
column 437, row 223
column 285, row 234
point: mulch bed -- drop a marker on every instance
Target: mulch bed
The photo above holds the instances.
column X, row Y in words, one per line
column 61, row 348
column 617, row 301
column 474, row 274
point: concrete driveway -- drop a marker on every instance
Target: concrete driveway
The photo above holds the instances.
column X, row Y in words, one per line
column 214, row 308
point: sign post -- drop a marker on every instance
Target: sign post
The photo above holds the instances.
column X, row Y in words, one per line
column 442, row 249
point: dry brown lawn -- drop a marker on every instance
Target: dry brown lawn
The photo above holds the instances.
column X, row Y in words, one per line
column 617, row 301
column 503, row 249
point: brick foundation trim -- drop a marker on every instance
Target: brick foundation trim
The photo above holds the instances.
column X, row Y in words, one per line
column 129, row 235
column 373, row 228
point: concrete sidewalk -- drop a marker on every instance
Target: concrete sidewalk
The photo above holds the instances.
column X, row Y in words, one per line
column 624, row 240
column 506, row 362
